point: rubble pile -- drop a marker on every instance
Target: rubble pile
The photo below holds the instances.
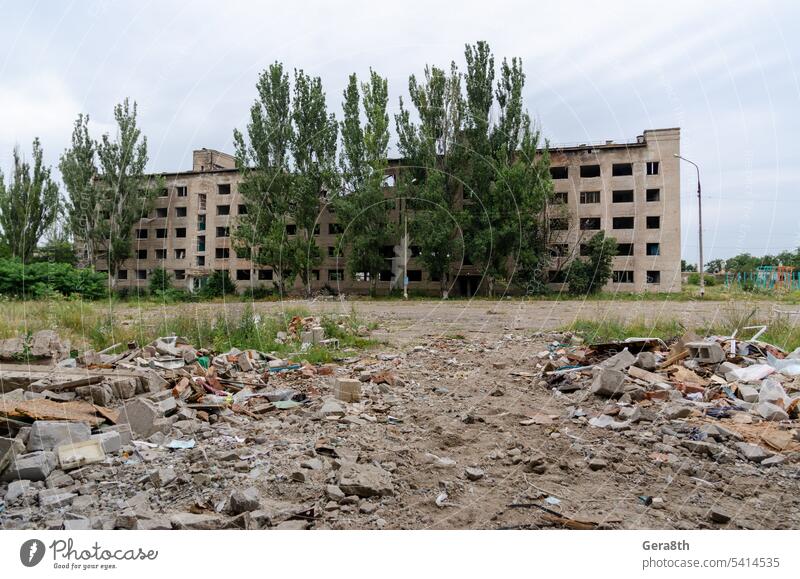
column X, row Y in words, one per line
column 524, row 431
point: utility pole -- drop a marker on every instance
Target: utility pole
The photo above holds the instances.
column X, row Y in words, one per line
column 700, row 225
column 405, row 249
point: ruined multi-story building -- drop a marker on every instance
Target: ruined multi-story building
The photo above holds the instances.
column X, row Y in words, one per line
column 629, row 190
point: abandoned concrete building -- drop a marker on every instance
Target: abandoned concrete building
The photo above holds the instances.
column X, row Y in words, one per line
column 629, row 190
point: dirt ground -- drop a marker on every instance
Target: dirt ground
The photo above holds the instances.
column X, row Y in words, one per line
column 468, row 436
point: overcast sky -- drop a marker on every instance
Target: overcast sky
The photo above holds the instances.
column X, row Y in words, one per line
column 725, row 74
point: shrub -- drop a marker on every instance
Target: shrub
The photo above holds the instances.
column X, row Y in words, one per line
column 219, row 284
column 160, row 281
column 588, row 276
column 44, row 279
column 694, row 279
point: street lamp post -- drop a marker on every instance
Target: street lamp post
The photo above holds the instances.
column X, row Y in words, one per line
column 700, row 224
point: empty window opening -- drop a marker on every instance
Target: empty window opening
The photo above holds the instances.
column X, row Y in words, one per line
column 414, row 275
column 161, row 233
column 224, row 189
column 559, row 249
column 141, row 254
column 621, row 169
column 223, row 231
column 222, row 253
column 242, row 275
column 122, row 274
column 180, row 232
column 181, row 191
column 291, row 229
column 653, row 277
column 265, row 274
column 588, row 171
column 201, row 260
column 625, row 196
column 161, row 211
column 559, row 224
column 559, row 172
column 590, row 196
column 556, row 276
column 335, row 229
column 161, row 254
column 180, row 254
column 622, row 276
column 201, row 243
column 180, row 274
column 653, row 249
column 223, row 209
column 653, row 222
column 625, row 249
column 623, row 223
column 180, row 212
column 590, row 223
column 653, row 195
column 163, row 192
column 242, row 209
column 141, row 234
column 141, row 274
column 335, row 274
column 560, row 197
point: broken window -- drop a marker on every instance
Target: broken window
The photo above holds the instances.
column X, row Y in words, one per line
column 316, row 229
column 331, row 251
column 242, row 275
column 180, row 232
column 621, row 169
column 559, row 249
column 653, row 222
column 653, row 249
column 224, row 189
column 180, row 212
column 590, row 196
column 161, row 211
column 652, row 167
column 588, row 171
column 335, row 274
column 334, row 229
column 584, row 250
column 222, row 253
column 622, row 223
column 223, row 231
column 122, row 274
column 201, row 222
column 141, row 274
column 242, row 209
column 291, row 229
column 141, row 254
column 180, row 274
column 201, row 201
column 181, row 191
column 559, row 224
column 625, row 196
column 201, row 260
column 265, row 274
column 560, row 197
column 653, row 195
column 559, row 172
column 180, row 254
column 161, row 233
column 622, row 276
column 389, row 180
column 653, row 277
column 141, row 234
column 590, row 223
column 201, row 243
column 223, row 209
column 625, row 249
column 414, row 275
column 161, row 254
column 315, row 274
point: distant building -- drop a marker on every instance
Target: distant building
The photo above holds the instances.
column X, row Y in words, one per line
column 629, row 190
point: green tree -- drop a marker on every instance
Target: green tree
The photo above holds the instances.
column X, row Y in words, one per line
column 313, row 148
column 588, row 276
column 433, row 155
column 263, row 159
column 715, row 266
column 361, row 206
column 29, row 204
column 78, row 168
column 219, row 284
column 687, row 266
column 160, row 281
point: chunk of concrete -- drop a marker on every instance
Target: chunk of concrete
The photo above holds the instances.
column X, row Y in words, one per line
column 646, row 361
column 34, row 466
column 16, row 489
column 769, row 411
column 753, row 452
column 110, row 440
column 348, row 390
column 609, row 382
column 748, row 393
column 80, row 453
column 124, row 387
column 619, row 361
column 192, row 522
column 124, row 431
column 48, row 434
column 332, row 408
column 140, row 415
column 244, row 501
column 365, row 480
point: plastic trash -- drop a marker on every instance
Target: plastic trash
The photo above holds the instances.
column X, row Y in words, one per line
column 752, row 373
column 772, row 392
column 788, row 367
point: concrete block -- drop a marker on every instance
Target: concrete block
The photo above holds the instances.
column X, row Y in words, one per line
column 619, row 361
column 48, row 434
column 111, row 441
column 140, row 415
column 124, row 388
column 75, row 455
column 706, row 352
column 124, row 431
column 609, row 382
column 748, row 393
column 348, row 390
column 646, row 361
column 34, row 466
column 317, row 334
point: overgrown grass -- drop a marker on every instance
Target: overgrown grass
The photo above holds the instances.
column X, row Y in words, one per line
column 782, row 330
column 99, row 326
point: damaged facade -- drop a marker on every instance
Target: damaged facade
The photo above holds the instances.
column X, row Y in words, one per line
column 629, row 190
